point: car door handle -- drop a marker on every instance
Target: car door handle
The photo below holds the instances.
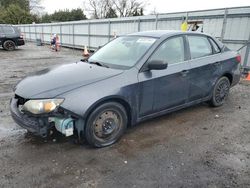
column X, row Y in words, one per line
column 184, row 72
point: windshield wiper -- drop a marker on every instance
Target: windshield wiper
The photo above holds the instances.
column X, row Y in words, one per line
column 95, row 62
column 99, row 64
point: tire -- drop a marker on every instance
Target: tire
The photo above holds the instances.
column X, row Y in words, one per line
column 220, row 92
column 106, row 124
column 9, row 45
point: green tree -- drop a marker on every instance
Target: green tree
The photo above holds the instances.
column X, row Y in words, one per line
column 77, row 14
column 23, row 4
column 46, row 18
column 64, row 15
column 17, row 11
column 15, row 15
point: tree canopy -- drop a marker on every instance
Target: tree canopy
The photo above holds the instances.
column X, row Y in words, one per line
column 16, row 12
column 64, row 15
column 27, row 11
column 23, row 4
column 115, row 8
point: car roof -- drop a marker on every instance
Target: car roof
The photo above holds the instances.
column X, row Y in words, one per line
column 165, row 33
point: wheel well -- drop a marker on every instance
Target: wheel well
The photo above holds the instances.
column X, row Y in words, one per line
column 10, row 40
column 118, row 100
column 229, row 76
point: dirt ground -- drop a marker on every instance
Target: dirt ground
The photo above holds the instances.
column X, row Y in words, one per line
column 195, row 147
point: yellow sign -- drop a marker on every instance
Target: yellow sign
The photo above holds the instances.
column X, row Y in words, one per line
column 184, row 26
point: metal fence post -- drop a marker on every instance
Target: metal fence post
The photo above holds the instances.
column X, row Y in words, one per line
column 246, row 60
column 61, row 34
column 73, row 34
column 109, row 30
column 30, row 33
column 223, row 31
column 89, row 34
column 51, row 31
column 156, row 21
column 42, row 37
column 35, row 32
column 139, row 24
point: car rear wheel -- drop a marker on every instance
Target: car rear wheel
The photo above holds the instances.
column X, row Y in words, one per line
column 106, row 124
column 220, row 92
column 9, row 45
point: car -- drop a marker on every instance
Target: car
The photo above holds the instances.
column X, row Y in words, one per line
column 10, row 37
column 129, row 80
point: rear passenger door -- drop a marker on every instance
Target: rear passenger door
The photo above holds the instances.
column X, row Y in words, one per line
column 205, row 66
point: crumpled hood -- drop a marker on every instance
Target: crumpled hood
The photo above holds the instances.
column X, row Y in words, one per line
column 53, row 81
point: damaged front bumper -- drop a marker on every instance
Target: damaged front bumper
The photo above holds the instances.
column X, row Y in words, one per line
column 42, row 124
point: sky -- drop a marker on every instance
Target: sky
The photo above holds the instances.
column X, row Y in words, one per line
column 160, row 6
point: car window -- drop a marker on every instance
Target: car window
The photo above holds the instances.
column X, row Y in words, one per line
column 171, row 51
column 215, row 46
column 8, row 30
column 199, row 46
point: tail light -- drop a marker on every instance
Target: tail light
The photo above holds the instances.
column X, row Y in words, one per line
column 238, row 58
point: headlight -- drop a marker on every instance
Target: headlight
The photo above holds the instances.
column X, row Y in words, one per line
column 42, row 106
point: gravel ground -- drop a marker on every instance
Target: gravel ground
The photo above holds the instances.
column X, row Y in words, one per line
column 196, row 147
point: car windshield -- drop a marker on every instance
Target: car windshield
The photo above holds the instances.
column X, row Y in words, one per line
column 123, row 52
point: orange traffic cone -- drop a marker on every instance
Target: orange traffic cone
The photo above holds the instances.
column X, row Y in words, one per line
column 85, row 52
column 248, row 77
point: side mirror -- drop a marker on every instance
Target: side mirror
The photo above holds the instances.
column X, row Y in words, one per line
column 157, row 65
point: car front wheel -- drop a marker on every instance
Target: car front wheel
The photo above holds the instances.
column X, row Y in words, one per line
column 220, row 92
column 9, row 45
column 106, row 124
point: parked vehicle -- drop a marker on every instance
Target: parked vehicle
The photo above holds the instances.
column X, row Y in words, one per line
column 131, row 79
column 10, row 37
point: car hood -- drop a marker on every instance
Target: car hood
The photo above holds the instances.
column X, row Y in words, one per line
column 53, row 81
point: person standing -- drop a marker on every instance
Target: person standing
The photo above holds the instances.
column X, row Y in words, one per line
column 53, row 41
column 57, row 44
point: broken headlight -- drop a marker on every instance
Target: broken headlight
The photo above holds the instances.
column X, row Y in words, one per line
column 42, row 106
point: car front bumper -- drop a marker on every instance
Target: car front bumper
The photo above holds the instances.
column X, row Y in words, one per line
column 36, row 125
column 20, row 42
column 41, row 125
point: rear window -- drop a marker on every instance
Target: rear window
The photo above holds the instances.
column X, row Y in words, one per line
column 8, row 29
column 199, row 46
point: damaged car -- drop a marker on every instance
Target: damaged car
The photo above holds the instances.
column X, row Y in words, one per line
column 130, row 79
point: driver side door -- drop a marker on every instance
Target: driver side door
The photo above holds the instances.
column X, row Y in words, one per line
column 168, row 88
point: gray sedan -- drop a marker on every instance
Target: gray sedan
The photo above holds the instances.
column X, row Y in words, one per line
column 131, row 79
